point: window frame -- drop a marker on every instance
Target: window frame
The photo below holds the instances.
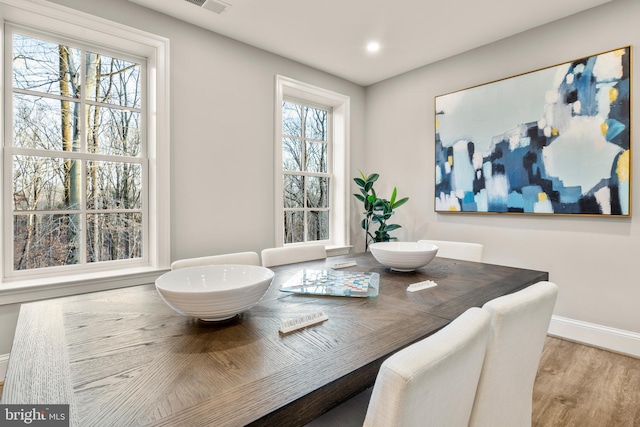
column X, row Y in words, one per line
column 338, row 154
column 84, row 156
column 308, row 174
column 68, row 24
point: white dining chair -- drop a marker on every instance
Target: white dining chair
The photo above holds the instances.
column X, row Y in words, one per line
column 465, row 251
column 244, row 258
column 431, row 383
column 519, row 325
column 292, row 254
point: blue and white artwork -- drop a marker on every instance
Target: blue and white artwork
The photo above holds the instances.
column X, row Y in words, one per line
column 553, row 141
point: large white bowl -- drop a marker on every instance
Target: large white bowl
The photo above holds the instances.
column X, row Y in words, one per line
column 214, row 292
column 403, row 256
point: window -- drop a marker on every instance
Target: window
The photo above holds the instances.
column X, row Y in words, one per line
column 306, row 146
column 77, row 155
column 81, row 150
column 311, row 159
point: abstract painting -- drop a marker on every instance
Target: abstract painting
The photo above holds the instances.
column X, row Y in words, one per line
column 552, row 141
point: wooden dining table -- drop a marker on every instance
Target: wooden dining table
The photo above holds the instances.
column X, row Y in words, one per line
column 124, row 358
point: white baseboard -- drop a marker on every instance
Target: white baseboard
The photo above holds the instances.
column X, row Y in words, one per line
column 4, row 362
column 616, row 340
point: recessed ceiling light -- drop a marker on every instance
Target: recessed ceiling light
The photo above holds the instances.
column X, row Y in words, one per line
column 373, row 47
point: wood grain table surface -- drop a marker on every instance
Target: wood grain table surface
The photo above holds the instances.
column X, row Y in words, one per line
column 124, row 358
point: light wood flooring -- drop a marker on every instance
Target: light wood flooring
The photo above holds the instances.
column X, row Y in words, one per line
column 581, row 386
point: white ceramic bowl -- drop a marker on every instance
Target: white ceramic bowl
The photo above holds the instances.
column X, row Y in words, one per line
column 214, row 292
column 403, row 256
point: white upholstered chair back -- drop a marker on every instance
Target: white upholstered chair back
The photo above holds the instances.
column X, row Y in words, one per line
column 292, row 254
column 244, row 258
column 458, row 250
column 432, row 383
column 519, row 324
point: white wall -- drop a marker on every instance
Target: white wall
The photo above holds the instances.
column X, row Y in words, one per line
column 593, row 260
column 222, row 129
column 222, row 114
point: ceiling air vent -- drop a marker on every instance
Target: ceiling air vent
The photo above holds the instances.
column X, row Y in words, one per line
column 212, row 5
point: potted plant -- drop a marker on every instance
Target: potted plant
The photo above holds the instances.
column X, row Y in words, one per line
column 376, row 210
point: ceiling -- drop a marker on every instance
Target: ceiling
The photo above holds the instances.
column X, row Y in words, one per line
column 331, row 35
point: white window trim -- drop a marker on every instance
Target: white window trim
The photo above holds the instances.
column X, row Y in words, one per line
column 59, row 19
column 339, row 186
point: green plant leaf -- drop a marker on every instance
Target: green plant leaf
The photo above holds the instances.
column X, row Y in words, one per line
column 373, row 177
column 363, row 224
column 394, row 193
column 391, row 227
column 359, row 197
column 368, row 186
column 400, row 202
column 379, row 203
column 372, row 199
column 364, row 177
column 359, row 181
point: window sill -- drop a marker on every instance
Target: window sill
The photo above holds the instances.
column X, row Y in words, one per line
column 336, row 250
column 55, row 287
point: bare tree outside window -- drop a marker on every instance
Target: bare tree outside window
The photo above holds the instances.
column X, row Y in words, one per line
column 76, row 154
column 305, row 163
